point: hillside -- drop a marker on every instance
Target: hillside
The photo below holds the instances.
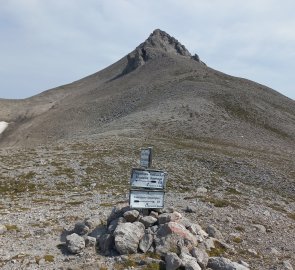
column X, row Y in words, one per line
column 227, row 143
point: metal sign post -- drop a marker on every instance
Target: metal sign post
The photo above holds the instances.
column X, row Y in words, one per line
column 147, row 185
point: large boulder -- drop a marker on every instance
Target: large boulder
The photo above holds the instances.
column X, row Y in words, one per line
column 127, row 236
column 172, row 236
column 75, row 243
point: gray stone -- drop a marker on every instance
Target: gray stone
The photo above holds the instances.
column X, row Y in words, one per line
column 172, row 261
column 243, row 263
column 146, row 242
column 131, row 215
column 154, row 214
column 220, row 263
column 75, row 243
column 259, row 227
column 287, row 265
column 202, row 190
column 3, row 229
column 105, row 243
column 148, row 221
column 190, row 209
column 189, row 262
column 127, row 236
column 81, row 228
column 90, row 241
column 214, row 232
column 93, row 222
column 201, row 256
column 117, row 212
column 238, row 266
column 167, row 217
column 209, row 243
column 252, row 251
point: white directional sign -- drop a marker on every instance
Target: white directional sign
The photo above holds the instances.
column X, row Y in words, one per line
column 146, row 199
column 141, row 178
column 146, row 157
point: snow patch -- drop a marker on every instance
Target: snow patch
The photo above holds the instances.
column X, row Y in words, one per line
column 3, row 126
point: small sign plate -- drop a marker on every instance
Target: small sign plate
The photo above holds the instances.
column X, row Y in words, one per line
column 146, row 157
column 146, row 199
column 143, row 178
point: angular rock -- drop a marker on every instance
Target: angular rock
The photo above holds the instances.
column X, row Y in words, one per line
column 3, row 229
column 220, row 263
column 172, row 261
column 167, row 217
column 127, row 236
column 190, row 209
column 201, row 256
column 146, row 242
column 209, row 243
column 117, row 212
column 81, row 228
column 93, row 222
column 238, row 266
column 259, row 227
column 75, row 243
column 154, row 214
column 90, row 241
column 172, row 236
column 189, row 262
column 214, row 232
column 105, row 243
column 131, row 215
column 148, row 221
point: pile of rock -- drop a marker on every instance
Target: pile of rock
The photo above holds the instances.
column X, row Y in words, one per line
column 167, row 233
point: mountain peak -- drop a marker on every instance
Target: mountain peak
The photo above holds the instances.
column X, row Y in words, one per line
column 157, row 45
column 162, row 41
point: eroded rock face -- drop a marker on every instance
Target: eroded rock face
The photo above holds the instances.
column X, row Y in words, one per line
column 158, row 44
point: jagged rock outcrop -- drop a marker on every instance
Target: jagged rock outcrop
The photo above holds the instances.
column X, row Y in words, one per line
column 158, row 44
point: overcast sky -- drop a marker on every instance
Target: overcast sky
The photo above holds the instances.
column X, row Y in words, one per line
column 47, row 43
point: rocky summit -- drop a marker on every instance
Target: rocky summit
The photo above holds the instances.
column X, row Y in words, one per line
column 227, row 144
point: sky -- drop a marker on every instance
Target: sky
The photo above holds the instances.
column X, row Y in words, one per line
column 48, row 43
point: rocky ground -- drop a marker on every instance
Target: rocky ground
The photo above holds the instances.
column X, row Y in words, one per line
column 245, row 193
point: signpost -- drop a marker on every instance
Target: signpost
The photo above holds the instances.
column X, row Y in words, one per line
column 147, row 185
column 146, row 158
column 144, row 178
column 146, row 199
